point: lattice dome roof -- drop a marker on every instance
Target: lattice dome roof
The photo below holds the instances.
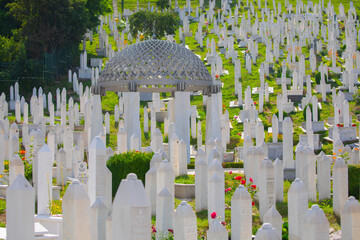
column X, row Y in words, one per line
column 155, row 66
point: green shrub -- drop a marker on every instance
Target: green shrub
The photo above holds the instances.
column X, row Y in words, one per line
column 318, row 78
column 311, row 108
column 225, row 165
column 121, row 165
column 354, row 180
column 233, row 165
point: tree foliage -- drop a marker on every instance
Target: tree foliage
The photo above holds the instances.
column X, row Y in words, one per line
column 162, row 4
column 52, row 24
column 153, row 23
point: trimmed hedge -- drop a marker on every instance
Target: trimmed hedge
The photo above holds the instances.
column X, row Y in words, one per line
column 354, row 180
column 225, row 165
column 122, row 164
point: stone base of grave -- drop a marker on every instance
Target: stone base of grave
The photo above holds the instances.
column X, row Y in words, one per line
column 347, row 134
column 316, row 126
column 228, row 157
column 275, row 150
column 295, row 97
column 288, row 81
column 52, row 223
column 303, row 139
column 96, row 62
column 289, row 174
column 40, row 232
column 85, row 73
column 184, row 191
column 55, row 193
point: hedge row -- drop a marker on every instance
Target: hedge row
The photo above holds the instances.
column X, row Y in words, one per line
column 354, row 180
column 225, row 165
column 122, row 164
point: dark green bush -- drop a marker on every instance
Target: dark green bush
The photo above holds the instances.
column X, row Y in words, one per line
column 233, row 165
column 311, row 108
column 121, row 165
column 318, row 78
column 354, row 180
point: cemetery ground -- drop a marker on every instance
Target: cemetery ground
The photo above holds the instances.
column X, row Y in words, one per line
column 327, row 109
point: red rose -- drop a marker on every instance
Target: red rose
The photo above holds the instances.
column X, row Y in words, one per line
column 230, row 172
column 253, row 186
column 251, row 180
column 238, row 178
column 253, row 203
column 243, row 182
column 354, row 125
column 213, row 215
column 171, row 231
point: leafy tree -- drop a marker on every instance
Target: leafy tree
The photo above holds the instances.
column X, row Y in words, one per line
column 153, row 23
column 7, row 22
column 162, row 4
column 52, row 24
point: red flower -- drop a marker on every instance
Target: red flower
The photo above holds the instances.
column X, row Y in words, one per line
column 228, row 189
column 213, row 215
column 230, row 172
column 217, row 76
column 354, row 125
column 238, row 178
column 223, row 223
column 224, row 106
column 23, row 158
column 243, row 182
column 254, row 103
column 251, row 180
column 22, row 152
column 153, row 230
column 239, row 134
column 253, row 186
column 253, row 203
column 171, row 231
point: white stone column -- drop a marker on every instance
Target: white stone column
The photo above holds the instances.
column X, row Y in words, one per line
column 132, row 116
column 287, row 126
column 315, row 224
column 98, row 216
column 324, row 177
column 273, row 216
column 216, row 197
column 96, row 118
column 279, row 179
column 185, row 225
column 297, row 207
column 150, row 188
column 164, row 210
column 165, row 177
column 122, row 141
column 76, row 213
column 267, row 232
column 350, row 218
column 241, row 214
column 97, row 164
column 216, row 231
column 16, row 167
column 309, row 173
column 44, row 179
column 201, row 181
column 340, row 185
column 267, row 194
column 131, row 214
column 20, row 210
column 182, row 118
